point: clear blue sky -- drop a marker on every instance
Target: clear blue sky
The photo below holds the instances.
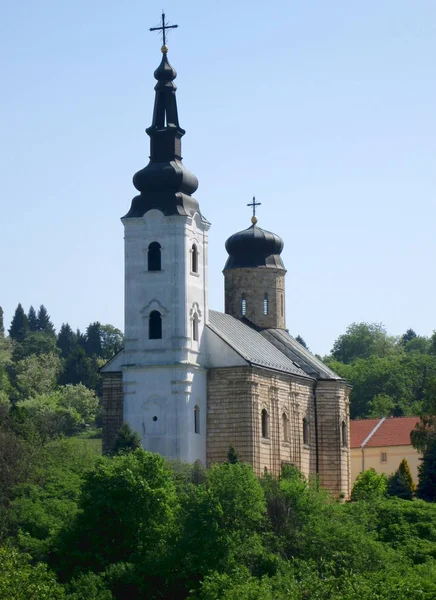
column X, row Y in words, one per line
column 324, row 110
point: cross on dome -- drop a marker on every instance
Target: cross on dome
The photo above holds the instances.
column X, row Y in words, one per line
column 163, row 28
column 253, row 205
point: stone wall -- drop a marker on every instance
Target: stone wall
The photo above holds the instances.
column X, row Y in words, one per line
column 332, row 399
column 112, row 408
column 254, row 284
column 236, row 398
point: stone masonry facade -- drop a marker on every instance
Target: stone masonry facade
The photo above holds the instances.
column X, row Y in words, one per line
column 254, row 284
column 113, row 402
column 238, row 395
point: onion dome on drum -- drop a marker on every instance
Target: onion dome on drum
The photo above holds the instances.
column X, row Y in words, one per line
column 254, row 247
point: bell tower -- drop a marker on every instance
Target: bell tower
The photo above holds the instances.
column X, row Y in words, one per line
column 166, row 306
column 254, row 276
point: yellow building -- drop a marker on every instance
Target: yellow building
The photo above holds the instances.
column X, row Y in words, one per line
column 382, row 444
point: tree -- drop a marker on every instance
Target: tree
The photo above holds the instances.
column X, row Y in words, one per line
column 20, row 580
column 406, row 337
column 232, row 456
column 37, row 374
column 301, row 341
column 33, row 319
column 369, row 486
column 80, row 399
column 401, row 482
column 44, row 323
column 126, row 440
column 20, row 325
column 362, row 340
column 426, row 489
column 79, row 368
column 2, row 323
column 127, row 513
column 112, row 340
column 67, row 340
column 93, row 339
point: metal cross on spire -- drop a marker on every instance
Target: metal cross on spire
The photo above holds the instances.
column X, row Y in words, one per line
column 253, row 205
column 163, row 28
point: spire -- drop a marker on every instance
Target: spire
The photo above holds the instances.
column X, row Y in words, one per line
column 164, row 183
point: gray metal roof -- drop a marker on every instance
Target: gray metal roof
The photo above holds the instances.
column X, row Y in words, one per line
column 289, row 346
column 251, row 345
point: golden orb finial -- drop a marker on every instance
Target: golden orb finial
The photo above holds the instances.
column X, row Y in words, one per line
column 254, row 220
column 164, row 49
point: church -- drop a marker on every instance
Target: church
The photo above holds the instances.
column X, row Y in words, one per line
column 192, row 381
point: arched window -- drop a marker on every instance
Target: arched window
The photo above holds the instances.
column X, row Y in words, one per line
column 155, row 325
column 344, row 436
column 282, row 305
column 194, row 259
column 265, row 304
column 154, row 256
column 285, row 424
column 196, row 419
column 243, row 305
column 195, row 328
column 305, row 432
column 265, row 424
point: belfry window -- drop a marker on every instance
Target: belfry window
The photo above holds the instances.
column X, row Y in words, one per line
column 305, row 432
column 155, row 325
column 285, row 424
column 265, row 304
column 194, row 259
column 196, row 419
column 265, row 424
column 344, row 434
column 154, row 256
column 243, row 305
column 195, row 328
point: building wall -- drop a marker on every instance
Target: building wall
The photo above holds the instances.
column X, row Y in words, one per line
column 332, row 399
column 112, row 408
column 254, row 283
column 164, row 379
column 394, row 455
column 236, row 398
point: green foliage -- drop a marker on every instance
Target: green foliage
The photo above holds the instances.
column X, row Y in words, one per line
column 126, row 440
column 20, row 580
column 232, row 456
column 112, row 341
column 93, row 339
column 2, row 324
column 369, row 486
column 20, row 324
column 426, row 489
column 401, row 482
column 66, row 340
column 33, row 319
column 37, row 374
column 362, row 340
column 43, row 322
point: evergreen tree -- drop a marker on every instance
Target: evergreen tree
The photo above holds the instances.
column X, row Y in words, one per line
column 20, row 325
column 426, row 489
column 401, row 483
column 2, row 323
column 44, row 323
column 67, row 340
column 79, row 368
column 33, row 319
column 93, row 340
column 406, row 337
column 301, row 341
column 232, row 456
column 126, row 440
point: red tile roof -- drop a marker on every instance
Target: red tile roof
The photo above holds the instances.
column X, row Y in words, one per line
column 394, row 431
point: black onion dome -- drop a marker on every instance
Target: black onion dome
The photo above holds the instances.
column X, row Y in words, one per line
column 165, row 72
column 254, row 247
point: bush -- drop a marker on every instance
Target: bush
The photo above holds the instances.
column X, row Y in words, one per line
column 369, row 486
